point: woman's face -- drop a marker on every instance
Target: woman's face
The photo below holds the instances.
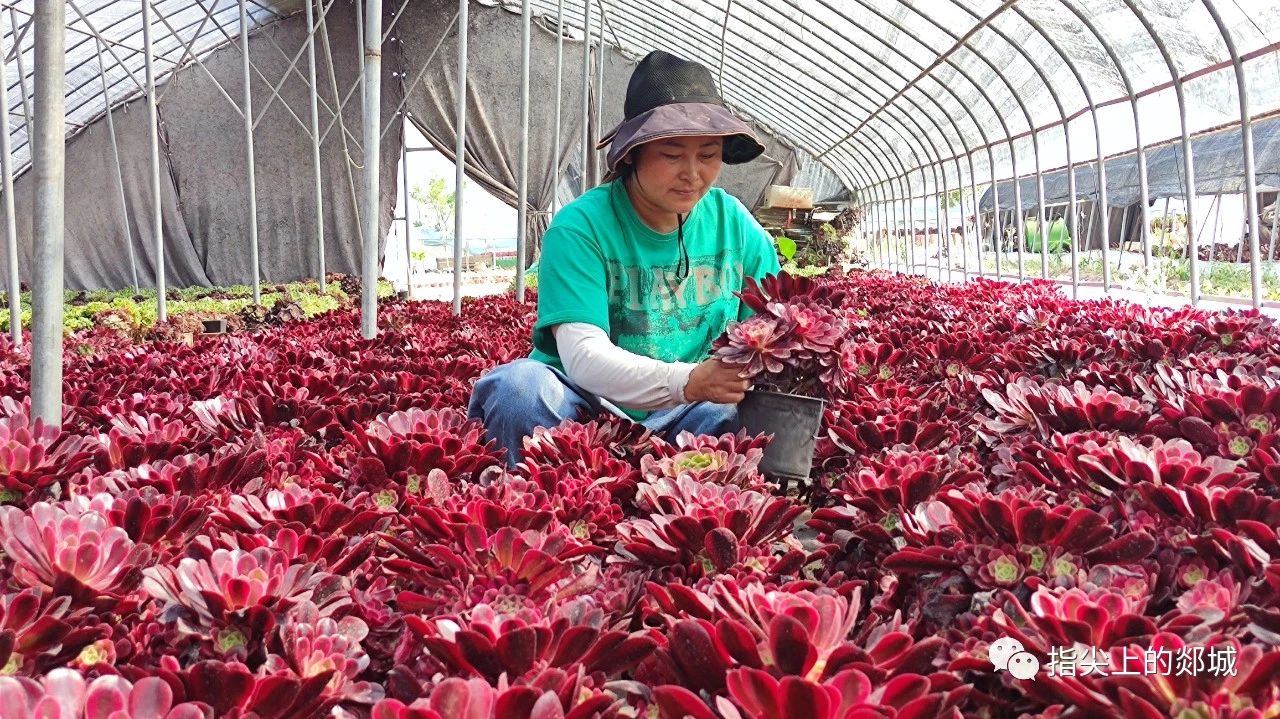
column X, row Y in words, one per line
column 672, row 175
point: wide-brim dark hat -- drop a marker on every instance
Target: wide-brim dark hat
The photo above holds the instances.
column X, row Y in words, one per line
column 672, row 97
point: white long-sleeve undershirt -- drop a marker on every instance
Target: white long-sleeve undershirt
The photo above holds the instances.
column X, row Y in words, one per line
column 624, row 378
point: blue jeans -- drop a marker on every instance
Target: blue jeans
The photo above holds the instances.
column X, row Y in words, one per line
column 513, row 399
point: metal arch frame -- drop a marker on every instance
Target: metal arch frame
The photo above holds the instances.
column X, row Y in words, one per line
column 1246, row 142
column 1032, row 131
column 1141, row 150
column 292, row 68
column 747, row 91
column 1053, row 94
column 851, row 79
column 937, row 62
column 1016, row 97
column 1188, row 159
column 1009, row 137
column 188, row 51
column 964, row 106
column 22, row 73
column 936, row 156
column 12, row 52
column 938, row 161
column 93, row 32
column 13, row 282
column 425, row 65
column 1101, row 174
column 115, row 154
column 878, row 223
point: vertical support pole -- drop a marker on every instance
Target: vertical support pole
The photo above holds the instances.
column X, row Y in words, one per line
column 1189, row 177
column 372, row 127
column 460, row 155
column 892, row 211
column 27, row 114
column 907, row 232
column 48, row 169
column 1073, row 224
column 600, row 154
column 586, row 95
column 1104, row 214
column 1275, row 215
column 115, row 152
column 1124, row 232
column 964, row 222
column 555, row 138
column 1020, row 223
column 909, row 218
column 1239, row 251
column 873, row 248
column 910, row 214
column 944, row 225
column 882, row 228
column 1167, row 220
column 252, row 175
column 1040, row 216
column 522, row 211
column 315, row 136
column 408, row 224
column 1246, row 142
column 14, row 284
column 878, row 227
column 997, row 231
column 153, row 130
column 976, row 204
column 890, row 227
column 1213, row 237
column 1088, row 227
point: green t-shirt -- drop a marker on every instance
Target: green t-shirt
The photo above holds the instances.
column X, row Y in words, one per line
column 602, row 265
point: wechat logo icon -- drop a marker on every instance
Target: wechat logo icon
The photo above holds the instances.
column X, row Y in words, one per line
column 1008, row 654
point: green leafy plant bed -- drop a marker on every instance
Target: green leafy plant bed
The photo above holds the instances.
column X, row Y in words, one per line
column 134, row 313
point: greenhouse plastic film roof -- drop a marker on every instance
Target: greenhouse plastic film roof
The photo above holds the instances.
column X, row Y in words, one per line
column 884, row 92
column 878, row 89
column 105, row 38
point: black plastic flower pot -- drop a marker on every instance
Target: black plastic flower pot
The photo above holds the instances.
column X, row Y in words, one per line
column 215, row 326
column 793, row 420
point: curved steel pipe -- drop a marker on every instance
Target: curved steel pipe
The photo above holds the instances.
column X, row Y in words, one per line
column 1246, row 142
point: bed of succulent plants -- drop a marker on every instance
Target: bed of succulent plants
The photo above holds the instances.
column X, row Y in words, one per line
column 301, row 523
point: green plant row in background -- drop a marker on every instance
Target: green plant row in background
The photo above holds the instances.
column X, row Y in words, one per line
column 83, row 309
column 1221, row 279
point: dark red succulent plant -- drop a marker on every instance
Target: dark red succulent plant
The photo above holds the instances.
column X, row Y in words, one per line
column 301, row 523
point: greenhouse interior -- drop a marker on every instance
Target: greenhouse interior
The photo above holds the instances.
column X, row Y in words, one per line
column 559, row 359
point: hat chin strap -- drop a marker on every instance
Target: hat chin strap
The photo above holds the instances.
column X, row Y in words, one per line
column 684, row 251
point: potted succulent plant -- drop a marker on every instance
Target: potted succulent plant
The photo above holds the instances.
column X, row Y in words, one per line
column 790, row 349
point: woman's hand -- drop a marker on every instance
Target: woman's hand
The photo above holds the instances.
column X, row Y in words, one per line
column 716, row 381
